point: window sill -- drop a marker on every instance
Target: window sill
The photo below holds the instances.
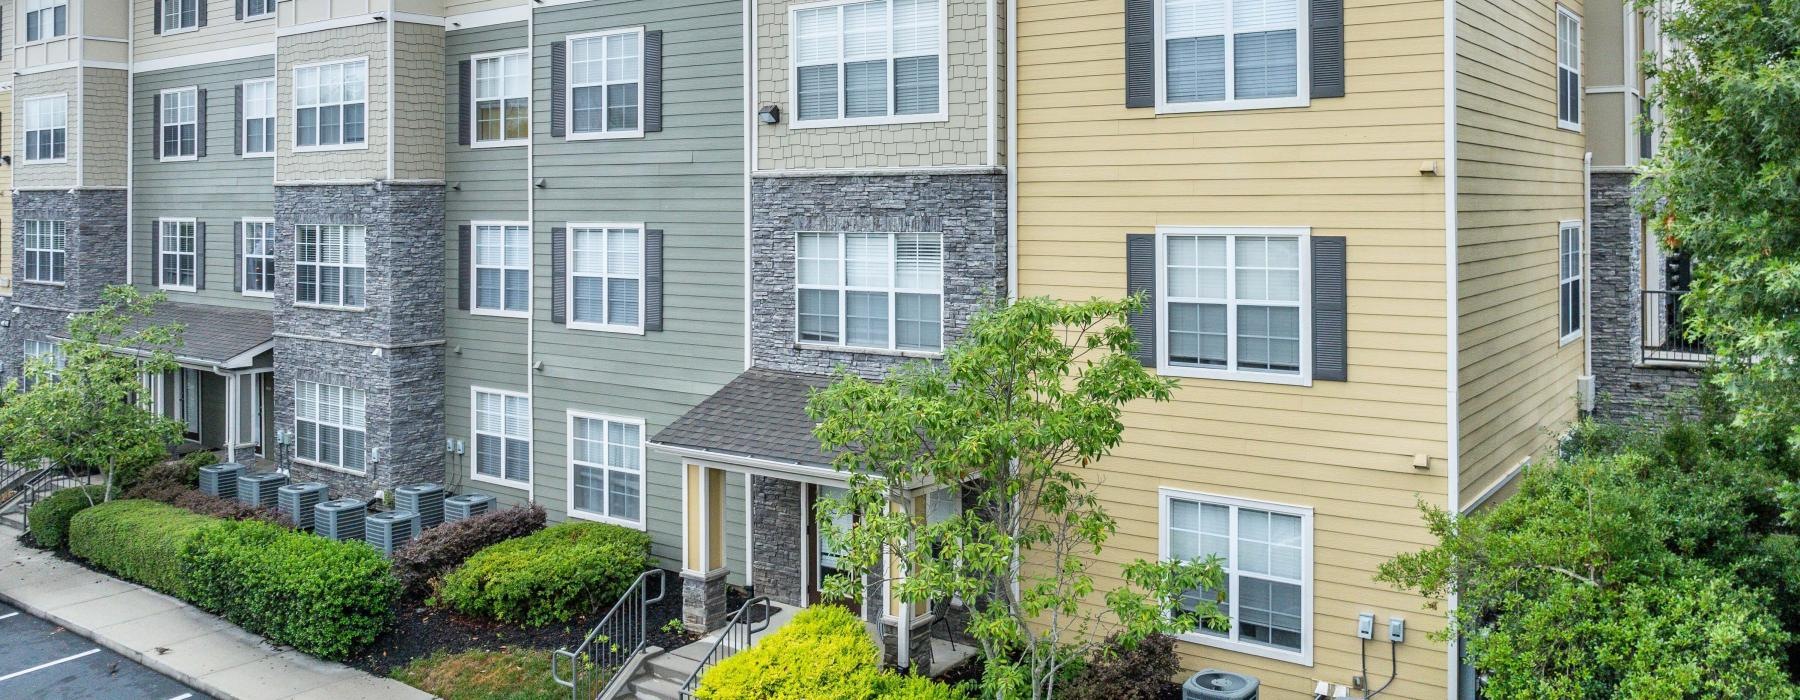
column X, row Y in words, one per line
column 44, row 283
column 605, row 328
column 178, row 30
column 510, row 143
column 1163, row 368
column 1293, row 657
column 176, row 159
column 1163, row 107
column 919, row 354
column 269, row 154
column 869, row 121
column 259, row 295
column 497, row 313
column 1568, row 126
column 1570, row 338
column 596, row 517
column 604, row 135
column 500, row 481
column 328, row 307
column 53, row 161
column 177, row 288
column 259, row 18
column 339, row 147
column 321, row 465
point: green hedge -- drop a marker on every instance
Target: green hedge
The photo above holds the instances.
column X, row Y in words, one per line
column 550, row 576
column 322, row 597
column 824, row 653
column 138, row 540
column 49, row 518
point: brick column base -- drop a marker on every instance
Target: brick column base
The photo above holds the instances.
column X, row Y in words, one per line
column 919, row 641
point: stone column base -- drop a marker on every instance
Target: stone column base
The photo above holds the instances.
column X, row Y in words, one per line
column 703, row 601
column 919, row 640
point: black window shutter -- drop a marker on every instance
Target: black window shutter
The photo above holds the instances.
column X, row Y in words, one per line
column 156, row 253
column 463, row 86
column 199, row 255
column 653, row 80
column 559, row 275
column 237, row 252
column 156, row 17
column 1330, row 355
column 1140, row 279
column 202, row 12
column 240, row 9
column 653, row 279
column 465, row 265
column 237, row 116
column 559, row 83
column 1326, row 47
column 156, row 126
column 200, row 122
column 1140, row 53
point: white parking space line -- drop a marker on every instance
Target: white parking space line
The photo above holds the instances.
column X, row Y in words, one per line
column 42, row 666
column 183, row 696
column 11, row 614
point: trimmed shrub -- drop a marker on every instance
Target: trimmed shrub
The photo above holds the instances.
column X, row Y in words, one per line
column 1119, row 672
column 550, row 576
column 322, row 597
column 442, row 548
column 173, row 473
column 824, row 653
column 138, row 540
column 49, row 518
column 193, row 500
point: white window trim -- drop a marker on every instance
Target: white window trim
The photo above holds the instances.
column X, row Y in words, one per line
column 475, row 279
column 167, row 30
column 24, row 109
column 199, row 129
column 793, row 34
column 68, row 15
column 1305, row 376
column 260, row 15
column 368, row 452
column 1308, row 588
column 26, row 250
column 529, row 484
column 244, row 120
column 245, row 272
column 294, row 258
column 475, row 102
column 161, row 251
column 643, row 469
column 294, row 107
column 1302, row 70
column 568, row 280
column 1580, row 98
column 569, row 86
column 1580, row 277
column 893, row 291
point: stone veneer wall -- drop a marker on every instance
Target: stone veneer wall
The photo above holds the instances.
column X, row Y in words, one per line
column 95, row 234
column 392, row 349
column 969, row 210
column 778, row 519
column 1624, row 387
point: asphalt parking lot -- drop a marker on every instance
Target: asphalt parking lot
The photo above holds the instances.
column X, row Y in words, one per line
column 40, row 660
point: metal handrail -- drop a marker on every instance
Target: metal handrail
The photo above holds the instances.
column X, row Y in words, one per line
column 737, row 635
column 627, row 621
column 1667, row 331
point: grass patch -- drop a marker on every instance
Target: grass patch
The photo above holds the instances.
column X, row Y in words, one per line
column 479, row 674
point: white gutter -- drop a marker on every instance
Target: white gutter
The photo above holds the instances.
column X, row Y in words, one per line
column 1012, row 149
column 1452, row 378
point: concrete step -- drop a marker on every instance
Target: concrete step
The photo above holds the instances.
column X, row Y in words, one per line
column 655, row 688
column 672, row 667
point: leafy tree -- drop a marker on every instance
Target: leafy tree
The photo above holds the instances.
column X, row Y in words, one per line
column 1724, row 187
column 89, row 413
column 1007, row 422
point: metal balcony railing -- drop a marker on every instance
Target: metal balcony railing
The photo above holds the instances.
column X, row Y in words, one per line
column 1668, row 335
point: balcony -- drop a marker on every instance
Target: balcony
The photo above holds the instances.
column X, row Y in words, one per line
column 1667, row 335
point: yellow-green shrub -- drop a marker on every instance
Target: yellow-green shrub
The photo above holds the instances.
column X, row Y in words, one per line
column 824, row 653
column 549, row 576
column 138, row 540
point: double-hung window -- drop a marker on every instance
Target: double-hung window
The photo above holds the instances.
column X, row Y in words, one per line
column 259, row 117
column 50, row 352
column 328, row 425
column 329, row 264
column 606, row 279
column 1266, row 553
column 1568, row 69
column 872, row 290
column 259, row 257
column 606, row 468
column 330, row 104
column 258, row 9
column 502, row 99
column 502, row 436
column 1235, row 303
column 179, row 123
column 502, row 269
column 179, row 252
column 866, row 62
column 180, row 14
column 46, row 250
column 46, row 128
column 606, row 80
column 1231, row 54
column 46, row 19
column 1568, row 267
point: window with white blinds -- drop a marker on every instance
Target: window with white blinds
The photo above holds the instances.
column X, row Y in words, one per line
column 502, row 269
column 46, row 250
column 1234, row 303
column 877, row 61
column 606, row 277
column 606, row 84
column 502, row 436
column 328, row 425
column 1226, row 54
column 330, row 264
column 1568, row 69
column 871, row 290
column 606, row 468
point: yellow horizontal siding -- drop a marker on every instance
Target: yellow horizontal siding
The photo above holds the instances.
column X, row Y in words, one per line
column 1090, row 172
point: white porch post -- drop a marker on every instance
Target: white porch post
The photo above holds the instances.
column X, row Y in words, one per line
column 232, row 428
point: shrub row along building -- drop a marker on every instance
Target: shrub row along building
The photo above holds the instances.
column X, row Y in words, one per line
column 595, row 253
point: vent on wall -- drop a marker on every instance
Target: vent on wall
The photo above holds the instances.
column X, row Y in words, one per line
column 390, row 530
column 260, row 488
column 341, row 519
column 425, row 499
column 296, row 501
column 220, row 480
column 467, row 506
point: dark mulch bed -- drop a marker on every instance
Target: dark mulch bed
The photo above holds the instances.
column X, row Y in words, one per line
column 970, row 671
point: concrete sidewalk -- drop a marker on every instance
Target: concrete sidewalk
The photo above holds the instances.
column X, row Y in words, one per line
column 174, row 638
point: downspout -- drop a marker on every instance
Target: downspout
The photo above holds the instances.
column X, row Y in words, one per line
column 1012, row 150
column 130, row 145
column 750, row 127
column 531, row 224
column 1452, row 316
column 1587, row 267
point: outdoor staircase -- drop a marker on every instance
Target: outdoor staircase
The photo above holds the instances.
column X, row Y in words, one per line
column 661, row 674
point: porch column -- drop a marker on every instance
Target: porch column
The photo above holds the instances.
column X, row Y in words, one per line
column 905, row 625
column 703, row 549
column 231, row 416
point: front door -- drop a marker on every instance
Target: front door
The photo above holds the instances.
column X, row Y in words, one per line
column 825, row 555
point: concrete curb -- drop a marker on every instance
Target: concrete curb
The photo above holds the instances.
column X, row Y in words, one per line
column 151, row 662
